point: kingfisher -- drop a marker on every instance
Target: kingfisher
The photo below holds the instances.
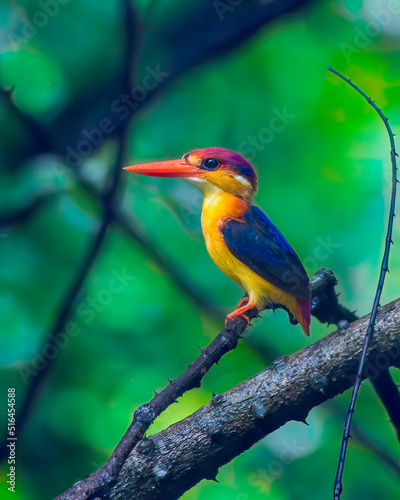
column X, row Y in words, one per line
column 240, row 238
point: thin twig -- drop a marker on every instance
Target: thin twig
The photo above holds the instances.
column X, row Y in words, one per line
column 338, row 487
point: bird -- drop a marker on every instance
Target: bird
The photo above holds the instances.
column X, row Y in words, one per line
column 240, row 238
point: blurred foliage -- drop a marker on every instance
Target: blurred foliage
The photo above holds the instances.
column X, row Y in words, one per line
column 324, row 180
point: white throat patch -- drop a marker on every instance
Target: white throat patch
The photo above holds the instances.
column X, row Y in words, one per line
column 243, row 181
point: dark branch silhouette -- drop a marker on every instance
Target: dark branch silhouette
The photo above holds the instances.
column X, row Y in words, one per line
column 211, row 38
column 108, row 200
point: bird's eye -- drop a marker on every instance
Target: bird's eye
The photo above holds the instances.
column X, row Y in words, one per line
column 210, row 164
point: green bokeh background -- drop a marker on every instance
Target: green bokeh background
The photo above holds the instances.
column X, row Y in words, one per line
column 324, row 180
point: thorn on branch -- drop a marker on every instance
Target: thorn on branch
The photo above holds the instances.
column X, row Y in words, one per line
column 212, row 477
column 216, row 398
column 343, row 325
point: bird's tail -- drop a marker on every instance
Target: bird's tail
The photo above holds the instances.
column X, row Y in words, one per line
column 304, row 316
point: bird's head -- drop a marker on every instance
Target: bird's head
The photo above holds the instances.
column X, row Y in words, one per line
column 209, row 169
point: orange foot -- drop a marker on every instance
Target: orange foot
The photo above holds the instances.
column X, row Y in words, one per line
column 241, row 310
column 243, row 301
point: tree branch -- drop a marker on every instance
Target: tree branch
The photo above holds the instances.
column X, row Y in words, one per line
column 227, row 340
column 99, row 482
column 325, row 303
column 297, row 383
column 167, row 464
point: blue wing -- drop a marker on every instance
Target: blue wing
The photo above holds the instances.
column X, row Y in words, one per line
column 256, row 242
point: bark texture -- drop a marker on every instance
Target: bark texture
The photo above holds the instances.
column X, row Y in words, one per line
column 167, row 464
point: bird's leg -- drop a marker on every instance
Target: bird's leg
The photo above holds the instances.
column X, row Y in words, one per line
column 243, row 301
column 242, row 309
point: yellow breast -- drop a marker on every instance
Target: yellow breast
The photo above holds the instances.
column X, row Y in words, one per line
column 215, row 207
column 218, row 205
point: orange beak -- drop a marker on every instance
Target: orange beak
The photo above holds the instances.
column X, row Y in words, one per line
column 169, row 168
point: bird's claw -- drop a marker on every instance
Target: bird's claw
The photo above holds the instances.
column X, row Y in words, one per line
column 231, row 315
